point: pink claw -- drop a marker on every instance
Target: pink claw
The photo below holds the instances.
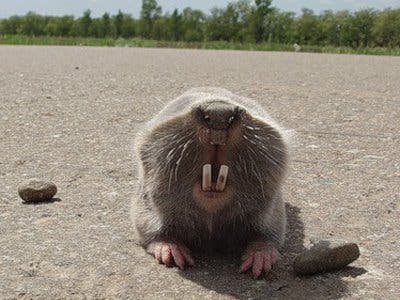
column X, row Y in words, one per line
column 259, row 256
column 169, row 253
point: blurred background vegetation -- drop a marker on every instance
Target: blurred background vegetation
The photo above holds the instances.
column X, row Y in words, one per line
column 240, row 25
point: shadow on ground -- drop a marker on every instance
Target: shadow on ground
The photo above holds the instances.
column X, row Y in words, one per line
column 220, row 274
column 52, row 200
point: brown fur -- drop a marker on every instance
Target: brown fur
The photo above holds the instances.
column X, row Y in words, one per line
column 172, row 148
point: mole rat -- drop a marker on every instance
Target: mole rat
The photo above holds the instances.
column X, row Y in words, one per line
column 211, row 168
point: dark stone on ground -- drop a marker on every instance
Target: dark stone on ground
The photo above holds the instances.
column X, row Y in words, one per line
column 326, row 256
column 37, row 191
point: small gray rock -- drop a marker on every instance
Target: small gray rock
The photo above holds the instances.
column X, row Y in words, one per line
column 325, row 256
column 37, row 191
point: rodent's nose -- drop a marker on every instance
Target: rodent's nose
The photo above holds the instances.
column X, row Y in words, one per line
column 220, row 115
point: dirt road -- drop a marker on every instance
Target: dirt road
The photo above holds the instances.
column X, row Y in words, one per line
column 68, row 114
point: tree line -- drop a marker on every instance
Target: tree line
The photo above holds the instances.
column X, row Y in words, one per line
column 242, row 21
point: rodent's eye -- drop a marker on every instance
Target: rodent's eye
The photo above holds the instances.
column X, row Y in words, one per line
column 235, row 115
column 207, row 118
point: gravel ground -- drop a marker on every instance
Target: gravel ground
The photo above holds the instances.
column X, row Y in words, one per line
column 68, row 114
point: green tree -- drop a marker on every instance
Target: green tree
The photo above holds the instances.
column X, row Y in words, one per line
column 193, row 24
column 356, row 29
column 106, row 29
column 279, row 27
column 363, row 24
column 118, row 23
column 149, row 13
column 258, row 17
column 33, row 24
column 12, row 25
column 161, row 30
column 330, row 24
column 129, row 26
column 96, row 28
column 60, row 26
column 84, row 23
column 386, row 30
column 176, row 26
column 244, row 11
column 223, row 24
column 343, row 19
column 214, row 24
column 307, row 28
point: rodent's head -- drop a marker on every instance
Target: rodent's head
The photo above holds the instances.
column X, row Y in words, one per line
column 219, row 149
column 217, row 120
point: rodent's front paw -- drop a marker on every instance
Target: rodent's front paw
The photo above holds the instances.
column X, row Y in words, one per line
column 259, row 256
column 170, row 253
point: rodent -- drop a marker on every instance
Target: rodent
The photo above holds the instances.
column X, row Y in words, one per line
column 175, row 215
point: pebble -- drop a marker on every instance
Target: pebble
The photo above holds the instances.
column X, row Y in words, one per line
column 37, row 191
column 326, row 256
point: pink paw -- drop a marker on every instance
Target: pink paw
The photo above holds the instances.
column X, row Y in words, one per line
column 170, row 253
column 259, row 256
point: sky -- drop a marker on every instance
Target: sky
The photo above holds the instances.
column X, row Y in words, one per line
column 98, row 7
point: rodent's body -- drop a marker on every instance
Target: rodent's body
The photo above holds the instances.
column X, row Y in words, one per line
column 172, row 149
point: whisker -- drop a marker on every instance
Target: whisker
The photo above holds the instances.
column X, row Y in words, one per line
column 180, row 159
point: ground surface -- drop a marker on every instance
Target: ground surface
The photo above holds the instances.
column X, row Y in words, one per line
column 68, row 114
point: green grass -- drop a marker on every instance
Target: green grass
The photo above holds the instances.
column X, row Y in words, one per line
column 137, row 42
